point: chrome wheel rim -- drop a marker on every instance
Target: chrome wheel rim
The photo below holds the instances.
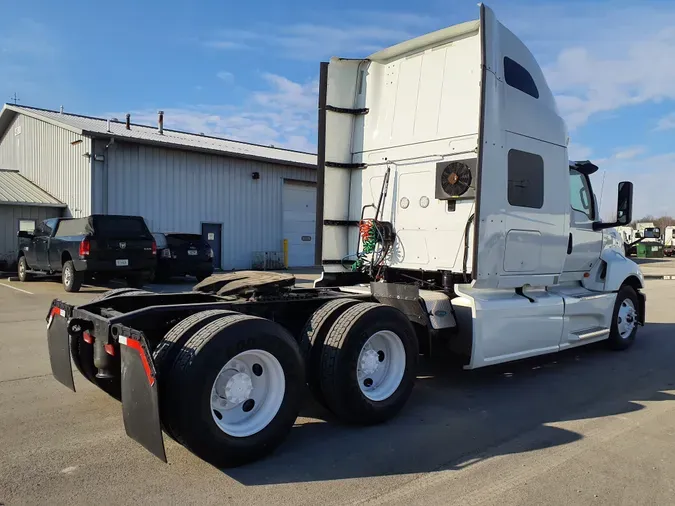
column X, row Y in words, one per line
column 626, row 319
column 67, row 276
column 22, row 269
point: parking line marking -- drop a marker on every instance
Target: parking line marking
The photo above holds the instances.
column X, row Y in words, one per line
column 17, row 289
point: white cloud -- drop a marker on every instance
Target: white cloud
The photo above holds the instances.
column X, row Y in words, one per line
column 628, row 153
column 579, row 151
column 652, row 177
column 611, row 59
column 282, row 114
column 228, row 77
column 667, row 122
column 347, row 36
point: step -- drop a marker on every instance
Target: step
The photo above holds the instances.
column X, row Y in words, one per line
column 591, row 333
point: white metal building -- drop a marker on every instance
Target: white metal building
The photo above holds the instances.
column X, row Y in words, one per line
column 22, row 206
column 244, row 198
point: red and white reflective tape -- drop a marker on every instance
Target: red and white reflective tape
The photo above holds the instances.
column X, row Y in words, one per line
column 136, row 345
column 55, row 312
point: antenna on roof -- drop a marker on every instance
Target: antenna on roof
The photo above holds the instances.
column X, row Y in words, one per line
column 61, row 110
column 15, row 98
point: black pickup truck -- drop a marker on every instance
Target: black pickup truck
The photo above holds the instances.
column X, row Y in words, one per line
column 98, row 246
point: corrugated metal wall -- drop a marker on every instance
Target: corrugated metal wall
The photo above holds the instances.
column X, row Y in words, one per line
column 9, row 226
column 176, row 191
column 44, row 154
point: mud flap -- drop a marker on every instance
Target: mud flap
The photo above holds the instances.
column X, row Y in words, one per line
column 58, row 342
column 140, row 399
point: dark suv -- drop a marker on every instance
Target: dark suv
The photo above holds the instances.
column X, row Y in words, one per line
column 99, row 246
column 181, row 255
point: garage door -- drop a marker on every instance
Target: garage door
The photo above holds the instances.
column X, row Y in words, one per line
column 299, row 222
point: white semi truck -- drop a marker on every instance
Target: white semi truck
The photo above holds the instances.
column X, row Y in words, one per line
column 449, row 216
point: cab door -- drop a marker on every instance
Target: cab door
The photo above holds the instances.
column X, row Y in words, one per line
column 584, row 243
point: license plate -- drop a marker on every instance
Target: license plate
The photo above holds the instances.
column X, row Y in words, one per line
column 121, row 263
column 192, row 252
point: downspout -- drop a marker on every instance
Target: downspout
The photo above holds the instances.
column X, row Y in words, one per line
column 106, row 176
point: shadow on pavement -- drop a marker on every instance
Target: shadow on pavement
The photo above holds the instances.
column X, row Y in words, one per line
column 665, row 262
column 456, row 418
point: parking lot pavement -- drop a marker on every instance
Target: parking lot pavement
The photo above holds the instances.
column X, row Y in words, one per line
column 583, row 427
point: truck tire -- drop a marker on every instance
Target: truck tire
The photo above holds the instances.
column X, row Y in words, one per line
column 369, row 363
column 22, row 270
column 235, row 390
column 624, row 319
column 312, row 338
column 71, row 279
column 167, row 349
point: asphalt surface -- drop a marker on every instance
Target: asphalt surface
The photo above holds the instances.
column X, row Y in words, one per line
column 587, row 426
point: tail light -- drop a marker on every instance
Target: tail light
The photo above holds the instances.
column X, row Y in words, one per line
column 85, row 247
column 209, row 253
column 154, row 248
column 166, row 253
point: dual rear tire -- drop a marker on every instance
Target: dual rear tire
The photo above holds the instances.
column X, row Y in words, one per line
column 362, row 360
column 231, row 385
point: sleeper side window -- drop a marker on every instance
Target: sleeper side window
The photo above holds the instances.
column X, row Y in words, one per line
column 518, row 77
column 526, row 179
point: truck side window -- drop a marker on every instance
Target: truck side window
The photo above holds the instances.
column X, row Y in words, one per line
column 526, row 179
column 580, row 194
column 519, row 78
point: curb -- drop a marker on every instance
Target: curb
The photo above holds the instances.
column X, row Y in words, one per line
column 659, row 276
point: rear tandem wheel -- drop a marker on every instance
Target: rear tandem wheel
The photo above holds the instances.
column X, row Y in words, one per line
column 235, row 389
column 369, row 363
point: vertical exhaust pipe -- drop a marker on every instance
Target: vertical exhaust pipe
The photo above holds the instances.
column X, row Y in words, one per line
column 128, row 121
column 160, row 122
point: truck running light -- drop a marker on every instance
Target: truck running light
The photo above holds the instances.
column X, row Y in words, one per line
column 109, row 349
column 154, row 248
column 85, row 247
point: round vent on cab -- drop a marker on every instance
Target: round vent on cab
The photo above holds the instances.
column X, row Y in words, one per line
column 455, row 179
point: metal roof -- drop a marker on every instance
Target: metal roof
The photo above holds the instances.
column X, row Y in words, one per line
column 19, row 191
column 98, row 127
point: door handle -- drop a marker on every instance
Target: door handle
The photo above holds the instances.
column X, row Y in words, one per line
column 570, row 245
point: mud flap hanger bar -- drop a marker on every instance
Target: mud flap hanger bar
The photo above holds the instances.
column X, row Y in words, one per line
column 140, row 396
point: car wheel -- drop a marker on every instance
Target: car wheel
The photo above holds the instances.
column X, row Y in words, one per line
column 22, row 270
column 71, row 279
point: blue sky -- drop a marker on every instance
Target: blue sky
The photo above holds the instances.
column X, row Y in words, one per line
column 248, row 70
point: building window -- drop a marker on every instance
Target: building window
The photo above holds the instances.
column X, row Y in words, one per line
column 518, row 77
column 526, row 179
column 27, row 226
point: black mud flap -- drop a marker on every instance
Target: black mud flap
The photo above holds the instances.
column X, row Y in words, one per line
column 58, row 342
column 140, row 399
